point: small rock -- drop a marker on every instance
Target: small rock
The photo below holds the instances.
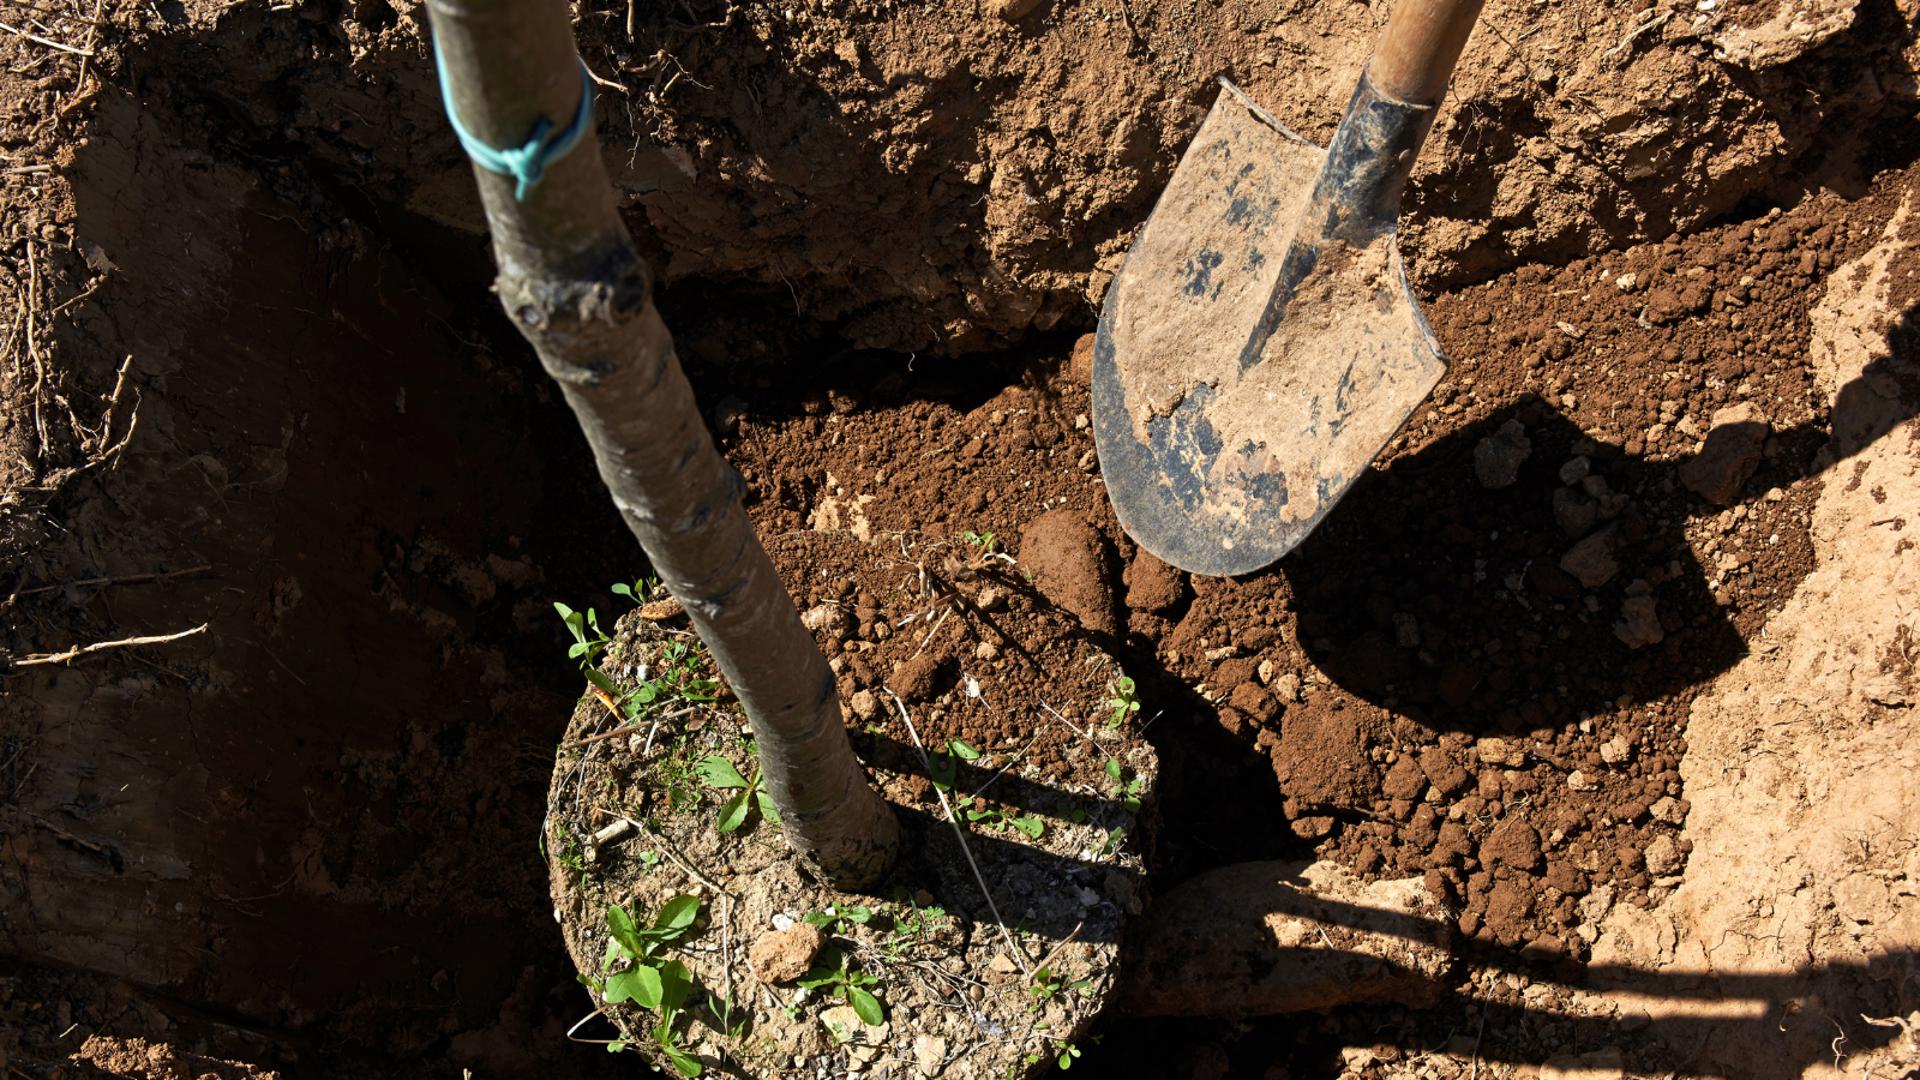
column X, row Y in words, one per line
column 1287, row 687
column 1664, row 857
column 1446, row 775
column 833, row 620
column 1573, row 512
column 1669, row 810
column 1616, row 750
column 1498, row 457
column 1265, row 672
column 1405, row 780
column 785, row 955
column 1591, row 560
column 929, row 1054
column 986, row 650
column 1013, row 10
column 865, row 705
column 1255, row 701
column 1639, row 624
column 860, row 1041
column 1730, row 455
column 1576, row 469
column 1578, row 780
column 991, row 599
column 1493, row 750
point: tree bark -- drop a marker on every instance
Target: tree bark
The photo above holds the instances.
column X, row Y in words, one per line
column 573, row 284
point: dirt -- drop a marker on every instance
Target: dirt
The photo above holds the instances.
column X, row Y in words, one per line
column 1624, row 690
column 995, row 940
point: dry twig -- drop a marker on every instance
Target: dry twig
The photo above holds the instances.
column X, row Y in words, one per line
column 1019, row 956
column 48, row 42
column 124, row 579
column 101, row 646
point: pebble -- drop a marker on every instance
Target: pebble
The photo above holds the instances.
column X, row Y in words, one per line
column 1579, row 780
column 1498, row 457
column 1616, row 750
column 1664, row 857
column 865, row 705
column 1013, row 10
column 1591, row 560
column 1639, row 624
column 1729, row 456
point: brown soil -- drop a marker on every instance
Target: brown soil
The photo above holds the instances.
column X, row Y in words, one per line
column 1564, row 655
column 974, row 654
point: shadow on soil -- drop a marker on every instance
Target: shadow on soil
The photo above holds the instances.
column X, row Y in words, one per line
column 1801, row 1018
column 1463, row 608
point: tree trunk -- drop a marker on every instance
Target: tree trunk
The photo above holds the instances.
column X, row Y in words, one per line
column 573, row 284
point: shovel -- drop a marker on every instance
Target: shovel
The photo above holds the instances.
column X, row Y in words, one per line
column 1261, row 345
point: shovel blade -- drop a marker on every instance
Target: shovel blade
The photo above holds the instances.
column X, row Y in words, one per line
column 1231, row 408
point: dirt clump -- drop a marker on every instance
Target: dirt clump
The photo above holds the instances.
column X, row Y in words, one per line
column 1071, row 563
column 781, row 956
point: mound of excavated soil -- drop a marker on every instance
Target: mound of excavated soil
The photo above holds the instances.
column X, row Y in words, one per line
column 1008, row 162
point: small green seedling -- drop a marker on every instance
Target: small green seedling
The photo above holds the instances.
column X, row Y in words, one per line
column 1031, row 827
column 1047, row 983
column 725, row 1010
column 945, row 767
column 640, row 591
column 849, row 986
column 1114, row 837
column 838, row 916
column 679, row 680
column 667, row 1038
column 719, row 774
column 588, row 639
column 986, row 549
column 1068, row 1052
column 1123, row 703
column 636, row 973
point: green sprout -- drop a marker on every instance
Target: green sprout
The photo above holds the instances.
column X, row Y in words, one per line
column 849, row 986
column 589, row 641
column 633, row 971
column 1123, row 703
column 719, row 774
column 839, row 916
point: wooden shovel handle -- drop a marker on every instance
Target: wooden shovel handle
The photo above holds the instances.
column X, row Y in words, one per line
column 1422, row 43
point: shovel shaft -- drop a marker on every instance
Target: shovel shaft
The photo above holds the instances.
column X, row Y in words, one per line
column 1416, row 55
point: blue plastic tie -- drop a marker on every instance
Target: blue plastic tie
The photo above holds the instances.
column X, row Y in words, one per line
column 526, row 163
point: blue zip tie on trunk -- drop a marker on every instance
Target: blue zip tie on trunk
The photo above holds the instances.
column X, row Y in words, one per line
column 526, row 163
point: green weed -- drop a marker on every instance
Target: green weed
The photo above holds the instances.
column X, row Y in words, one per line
column 849, row 986
column 719, row 774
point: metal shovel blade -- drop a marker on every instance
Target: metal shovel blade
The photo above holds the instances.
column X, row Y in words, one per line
column 1242, row 381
